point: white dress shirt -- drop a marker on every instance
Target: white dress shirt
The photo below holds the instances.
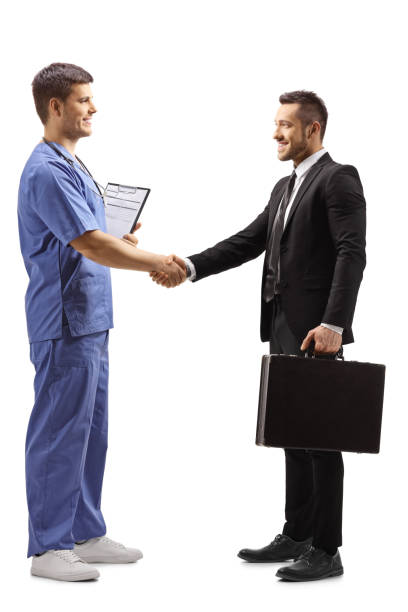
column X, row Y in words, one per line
column 301, row 171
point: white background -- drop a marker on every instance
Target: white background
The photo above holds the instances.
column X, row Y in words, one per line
column 187, row 92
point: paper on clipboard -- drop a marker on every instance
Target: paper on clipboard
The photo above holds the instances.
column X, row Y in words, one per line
column 123, row 206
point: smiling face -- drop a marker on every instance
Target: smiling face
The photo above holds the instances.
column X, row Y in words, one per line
column 295, row 140
column 74, row 115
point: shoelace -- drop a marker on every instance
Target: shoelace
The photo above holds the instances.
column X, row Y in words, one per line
column 306, row 556
column 111, row 542
column 278, row 538
column 68, row 555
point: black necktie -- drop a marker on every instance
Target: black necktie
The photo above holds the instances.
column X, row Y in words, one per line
column 272, row 274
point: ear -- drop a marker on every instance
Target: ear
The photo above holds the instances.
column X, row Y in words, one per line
column 55, row 107
column 314, row 129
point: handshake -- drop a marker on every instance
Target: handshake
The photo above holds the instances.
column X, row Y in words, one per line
column 172, row 272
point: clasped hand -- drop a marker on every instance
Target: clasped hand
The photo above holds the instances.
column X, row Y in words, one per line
column 165, row 278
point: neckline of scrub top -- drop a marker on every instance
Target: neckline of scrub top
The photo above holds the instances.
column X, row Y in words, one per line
column 61, row 148
column 77, row 164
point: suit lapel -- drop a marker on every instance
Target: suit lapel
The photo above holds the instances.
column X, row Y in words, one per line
column 274, row 205
column 309, row 178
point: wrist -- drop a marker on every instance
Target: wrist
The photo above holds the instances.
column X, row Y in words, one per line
column 157, row 263
column 334, row 328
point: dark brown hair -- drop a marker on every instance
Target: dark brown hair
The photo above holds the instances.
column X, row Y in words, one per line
column 55, row 81
column 312, row 108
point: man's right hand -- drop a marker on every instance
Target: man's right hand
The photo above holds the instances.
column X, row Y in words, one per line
column 170, row 272
column 161, row 276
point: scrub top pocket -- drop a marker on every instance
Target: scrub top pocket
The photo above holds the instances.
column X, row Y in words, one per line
column 85, row 304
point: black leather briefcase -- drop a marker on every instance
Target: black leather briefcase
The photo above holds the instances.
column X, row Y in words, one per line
column 324, row 404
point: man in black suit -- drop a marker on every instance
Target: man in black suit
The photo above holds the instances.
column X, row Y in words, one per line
column 313, row 232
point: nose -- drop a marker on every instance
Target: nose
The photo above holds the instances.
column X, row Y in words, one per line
column 92, row 108
column 276, row 134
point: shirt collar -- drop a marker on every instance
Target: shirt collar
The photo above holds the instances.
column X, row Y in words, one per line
column 65, row 151
column 307, row 163
column 61, row 148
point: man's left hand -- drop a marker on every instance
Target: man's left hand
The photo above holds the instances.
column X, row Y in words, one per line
column 326, row 341
column 131, row 238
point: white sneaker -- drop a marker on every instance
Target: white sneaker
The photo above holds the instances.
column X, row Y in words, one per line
column 105, row 550
column 62, row 565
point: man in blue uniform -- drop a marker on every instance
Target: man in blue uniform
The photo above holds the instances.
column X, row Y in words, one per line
column 67, row 254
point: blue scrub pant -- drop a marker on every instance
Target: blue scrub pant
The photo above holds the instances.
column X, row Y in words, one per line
column 67, row 440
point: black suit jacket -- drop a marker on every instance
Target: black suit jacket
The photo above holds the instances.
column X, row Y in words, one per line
column 322, row 254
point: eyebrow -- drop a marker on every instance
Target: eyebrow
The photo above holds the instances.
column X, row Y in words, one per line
column 85, row 98
column 281, row 121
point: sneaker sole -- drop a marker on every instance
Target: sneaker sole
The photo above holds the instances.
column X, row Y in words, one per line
column 91, row 575
column 99, row 560
column 303, row 579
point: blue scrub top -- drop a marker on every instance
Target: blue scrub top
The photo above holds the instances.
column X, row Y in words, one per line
column 57, row 203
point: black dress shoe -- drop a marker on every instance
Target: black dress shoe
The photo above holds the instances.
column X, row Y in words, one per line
column 314, row 564
column 282, row 548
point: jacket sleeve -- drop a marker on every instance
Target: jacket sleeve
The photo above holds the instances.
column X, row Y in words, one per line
column 234, row 251
column 346, row 212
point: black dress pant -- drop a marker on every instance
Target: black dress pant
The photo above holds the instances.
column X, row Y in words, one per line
column 314, row 479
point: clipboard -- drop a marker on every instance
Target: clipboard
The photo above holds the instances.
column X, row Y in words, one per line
column 123, row 207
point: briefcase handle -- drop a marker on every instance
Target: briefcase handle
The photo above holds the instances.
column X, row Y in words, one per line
column 309, row 353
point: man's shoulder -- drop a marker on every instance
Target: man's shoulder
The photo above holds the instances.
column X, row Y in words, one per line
column 336, row 177
column 332, row 168
column 41, row 166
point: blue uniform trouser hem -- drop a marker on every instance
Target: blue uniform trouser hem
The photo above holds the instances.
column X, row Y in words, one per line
column 67, row 547
column 89, row 536
column 50, row 547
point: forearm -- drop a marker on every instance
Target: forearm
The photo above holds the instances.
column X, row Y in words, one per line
column 113, row 252
column 215, row 260
column 235, row 250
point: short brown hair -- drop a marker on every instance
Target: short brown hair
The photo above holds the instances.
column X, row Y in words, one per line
column 55, row 81
column 312, row 108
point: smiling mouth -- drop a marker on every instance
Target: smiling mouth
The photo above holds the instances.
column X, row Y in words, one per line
column 282, row 145
column 88, row 122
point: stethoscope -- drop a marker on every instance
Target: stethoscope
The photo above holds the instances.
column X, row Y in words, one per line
column 81, row 167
